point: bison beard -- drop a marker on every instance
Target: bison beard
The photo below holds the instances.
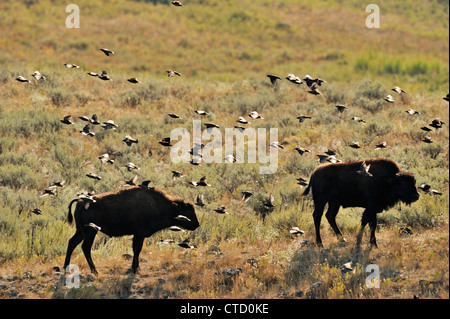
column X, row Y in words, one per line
column 340, row 184
column 132, row 211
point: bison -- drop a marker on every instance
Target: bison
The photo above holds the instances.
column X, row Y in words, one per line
column 375, row 184
column 133, row 211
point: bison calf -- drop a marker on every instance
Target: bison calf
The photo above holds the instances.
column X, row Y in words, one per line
column 132, row 211
column 375, row 184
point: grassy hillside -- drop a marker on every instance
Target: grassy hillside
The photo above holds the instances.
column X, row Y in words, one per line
column 223, row 49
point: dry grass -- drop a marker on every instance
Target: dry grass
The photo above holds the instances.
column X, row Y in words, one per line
column 223, row 62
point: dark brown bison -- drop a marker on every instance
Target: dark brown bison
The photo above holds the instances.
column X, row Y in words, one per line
column 133, row 211
column 375, row 184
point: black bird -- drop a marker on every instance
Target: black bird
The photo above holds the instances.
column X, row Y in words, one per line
column 104, row 76
column 437, row 123
column 22, row 79
column 246, row 196
column 294, row 79
column 199, row 200
column 145, row 185
column 104, row 158
column 302, row 181
column 67, row 120
column 446, row 97
column 93, row 176
column 173, row 73
column 107, row 52
column 268, row 203
column 165, row 141
column 341, row 108
column 427, row 139
column 211, row 125
column 71, row 66
column 36, row 211
column 133, row 80
column 176, row 175
column 398, row 90
column 221, row 210
column 380, row 145
column 314, row 90
column 177, row 3
column 129, row 140
column 132, row 182
column 358, row 119
column 302, row 150
column 302, row 118
column 412, row 112
column 273, row 78
column 201, row 112
column 426, row 129
column 87, row 131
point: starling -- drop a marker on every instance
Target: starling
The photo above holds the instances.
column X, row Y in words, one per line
column 104, row 76
column 355, row 144
column 199, row 200
column 201, row 112
column 255, row 115
column 87, row 131
column 177, row 3
column 246, row 196
column 437, row 123
column 109, row 125
column 294, row 79
column 389, row 99
column 129, row 140
column 398, row 90
column 22, row 79
column 221, row 210
column 93, row 176
column 302, row 181
column 364, row 170
column 38, row 76
column 242, row 120
column 107, row 52
column 132, row 182
column 380, row 145
column 302, row 118
column 341, row 108
column 273, row 78
column 165, row 141
column 302, row 150
column 358, row 119
column 314, row 91
column 296, row 231
column 412, row 112
column 71, row 66
column 104, row 158
column 133, row 80
column 171, row 74
column 268, row 203
column 176, row 175
column 427, row 139
column 67, row 120
column 131, row 166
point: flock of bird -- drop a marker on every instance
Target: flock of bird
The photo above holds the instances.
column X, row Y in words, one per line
column 312, row 84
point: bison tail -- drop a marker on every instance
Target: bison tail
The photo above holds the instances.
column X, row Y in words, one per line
column 69, row 214
column 306, row 191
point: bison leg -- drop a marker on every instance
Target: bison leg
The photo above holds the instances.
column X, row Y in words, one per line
column 138, row 241
column 89, row 235
column 373, row 228
column 317, row 215
column 73, row 243
column 368, row 217
column 332, row 211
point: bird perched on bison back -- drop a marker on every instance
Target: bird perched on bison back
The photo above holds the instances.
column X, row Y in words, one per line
column 129, row 211
column 338, row 185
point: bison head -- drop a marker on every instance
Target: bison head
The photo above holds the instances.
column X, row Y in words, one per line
column 185, row 216
column 404, row 187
